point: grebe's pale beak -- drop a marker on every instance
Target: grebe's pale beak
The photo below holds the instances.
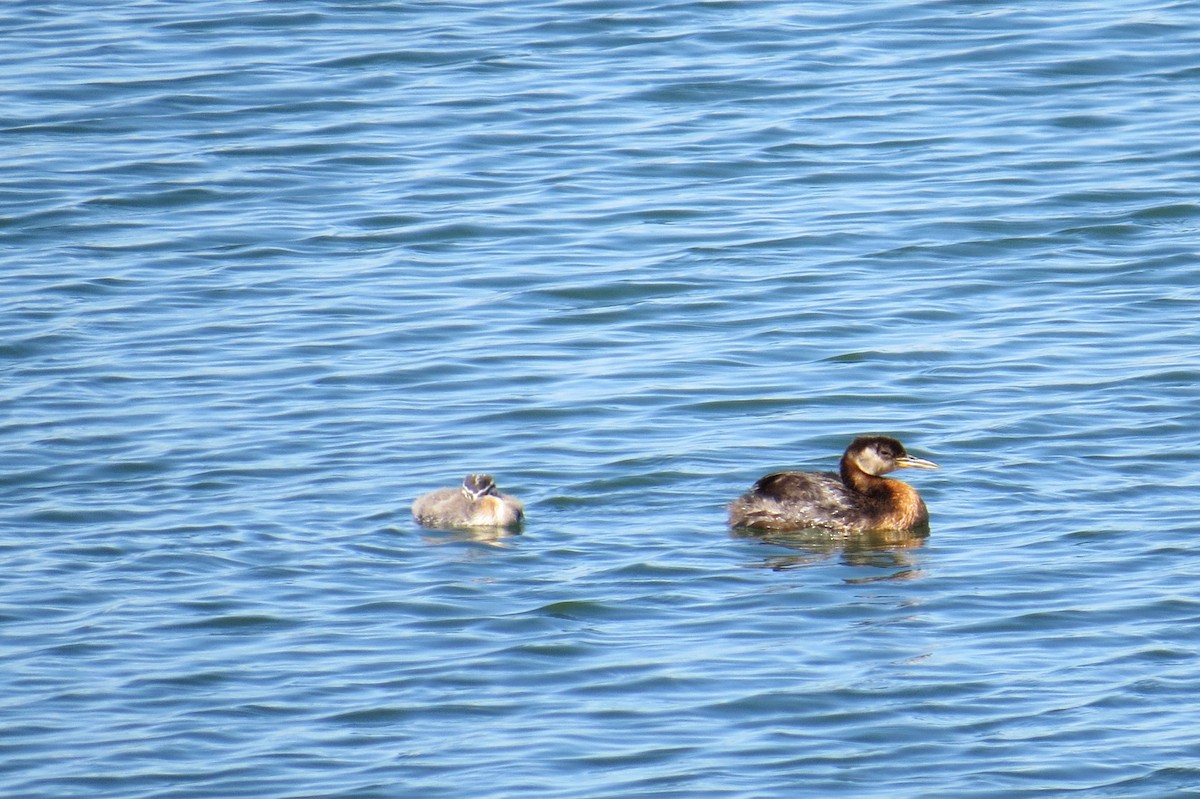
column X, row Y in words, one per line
column 912, row 462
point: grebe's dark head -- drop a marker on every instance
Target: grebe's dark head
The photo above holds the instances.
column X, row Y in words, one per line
column 477, row 486
column 879, row 455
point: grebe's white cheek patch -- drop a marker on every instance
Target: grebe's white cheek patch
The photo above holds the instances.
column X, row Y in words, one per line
column 871, row 462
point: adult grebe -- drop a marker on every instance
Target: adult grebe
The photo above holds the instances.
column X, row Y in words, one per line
column 476, row 503
column 857, row 499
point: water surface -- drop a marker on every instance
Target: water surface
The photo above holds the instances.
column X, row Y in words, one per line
column 272, row 270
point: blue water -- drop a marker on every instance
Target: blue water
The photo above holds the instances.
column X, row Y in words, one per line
column 268, row 271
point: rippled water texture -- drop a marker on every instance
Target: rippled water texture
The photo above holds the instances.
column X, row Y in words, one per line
column 271, row 270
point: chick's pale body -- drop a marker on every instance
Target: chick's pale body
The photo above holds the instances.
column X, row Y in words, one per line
column 476, row 503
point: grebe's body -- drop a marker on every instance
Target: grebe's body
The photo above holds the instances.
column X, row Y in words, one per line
column 857, row 498
column 476, row 503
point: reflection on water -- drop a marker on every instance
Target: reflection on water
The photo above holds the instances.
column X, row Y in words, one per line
column 487, row 536
column 881, row 549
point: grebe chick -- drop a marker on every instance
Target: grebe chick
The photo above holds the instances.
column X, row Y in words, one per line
column 856, row 499
column 476, row 503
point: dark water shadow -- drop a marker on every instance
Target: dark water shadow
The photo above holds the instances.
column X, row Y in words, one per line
column 892, row 551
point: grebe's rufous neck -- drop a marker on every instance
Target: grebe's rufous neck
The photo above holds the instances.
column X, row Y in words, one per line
column 476, row 503
column 857, row 498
